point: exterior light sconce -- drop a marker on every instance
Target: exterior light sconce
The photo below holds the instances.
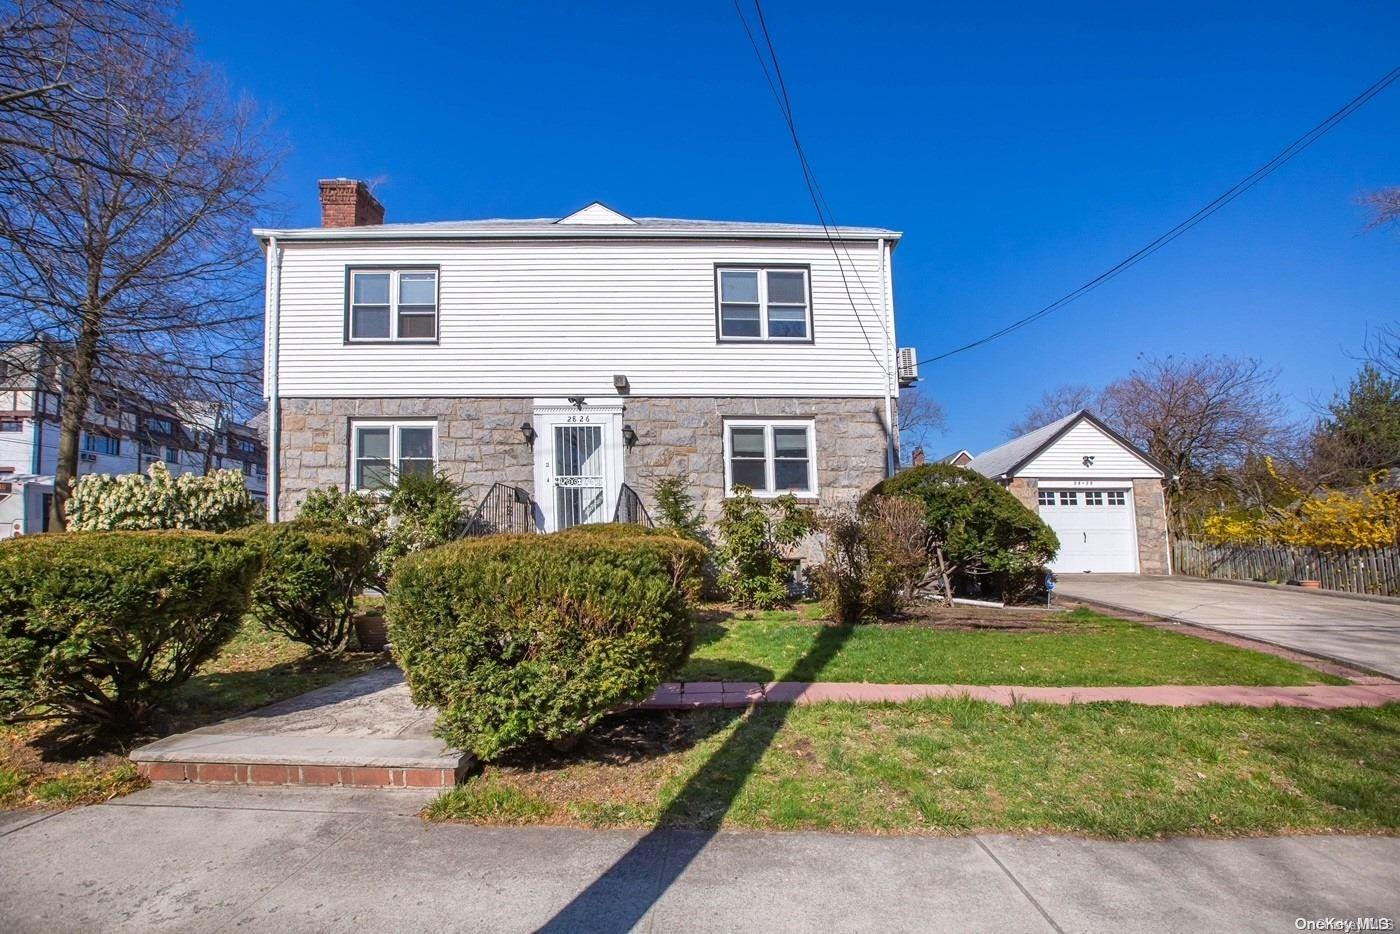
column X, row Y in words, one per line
column 620, row 382
column 629, row 435
column 528, row 431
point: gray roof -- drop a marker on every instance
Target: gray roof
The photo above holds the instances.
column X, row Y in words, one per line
column 1002, row 460
column 549, row 227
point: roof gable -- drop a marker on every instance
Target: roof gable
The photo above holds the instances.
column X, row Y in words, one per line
column 1032, row 453
column 596, row 213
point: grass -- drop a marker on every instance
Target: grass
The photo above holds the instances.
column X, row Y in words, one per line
column 1078, row 648
column 959, row 766
column 255, row 668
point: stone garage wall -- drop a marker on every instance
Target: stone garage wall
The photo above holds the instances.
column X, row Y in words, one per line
column 479, row 442
column 1154, row 548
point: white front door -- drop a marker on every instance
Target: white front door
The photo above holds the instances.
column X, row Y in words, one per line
column 578, row 470
column 1097, row 529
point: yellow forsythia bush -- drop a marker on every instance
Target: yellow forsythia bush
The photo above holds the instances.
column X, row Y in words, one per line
column 1368, row 518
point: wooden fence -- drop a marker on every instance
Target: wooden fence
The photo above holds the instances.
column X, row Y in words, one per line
column 1366, row 570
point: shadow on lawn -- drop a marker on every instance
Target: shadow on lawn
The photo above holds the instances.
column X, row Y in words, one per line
column 623, row 894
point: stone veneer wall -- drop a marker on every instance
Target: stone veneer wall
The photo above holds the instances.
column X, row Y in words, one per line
column 1154, row 548
column 479, row 442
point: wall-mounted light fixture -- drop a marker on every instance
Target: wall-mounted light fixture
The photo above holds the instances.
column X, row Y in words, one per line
column 577, row 402
column 528, row 431
column 620, row 382
column 629, row 435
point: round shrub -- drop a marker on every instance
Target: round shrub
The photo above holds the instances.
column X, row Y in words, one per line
column 97, row 627
column 312, row 571
column 527, row 637
column 981, row 528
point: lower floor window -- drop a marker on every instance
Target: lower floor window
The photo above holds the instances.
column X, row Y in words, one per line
column 381, row 451
column 770, row 458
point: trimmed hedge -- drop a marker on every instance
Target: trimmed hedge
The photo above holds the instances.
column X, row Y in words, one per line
column 312, row 571
column 535, row 637
column 97, row 627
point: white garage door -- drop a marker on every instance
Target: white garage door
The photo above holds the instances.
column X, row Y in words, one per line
column 1095, row 527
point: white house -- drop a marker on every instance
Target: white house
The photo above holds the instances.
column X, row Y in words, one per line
column 123, row 433
column 579, row 359
column 1103, row 497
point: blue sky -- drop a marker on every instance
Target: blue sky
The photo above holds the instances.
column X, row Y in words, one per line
column 1022, row 150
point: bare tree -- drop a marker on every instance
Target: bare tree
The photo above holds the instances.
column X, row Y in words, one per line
column 920, row 417
column 127, row 188
column 1384, row 206
column 1055, row 404
column 1203, row 418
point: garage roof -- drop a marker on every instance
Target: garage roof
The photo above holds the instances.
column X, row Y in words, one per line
column 1006, row 460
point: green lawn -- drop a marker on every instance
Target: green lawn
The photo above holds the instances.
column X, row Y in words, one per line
column 959, row 766
column 255, row 668
column 1079, row 648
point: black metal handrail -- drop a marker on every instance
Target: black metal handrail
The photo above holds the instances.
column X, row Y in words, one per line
column 630, row 508
column 504, row 509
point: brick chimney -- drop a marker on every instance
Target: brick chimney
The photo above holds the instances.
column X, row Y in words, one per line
column 346, row 202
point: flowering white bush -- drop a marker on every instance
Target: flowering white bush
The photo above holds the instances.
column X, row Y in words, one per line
column 216, row 502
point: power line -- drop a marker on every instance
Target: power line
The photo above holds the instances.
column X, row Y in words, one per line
column 823, row 209
column 1230, row 194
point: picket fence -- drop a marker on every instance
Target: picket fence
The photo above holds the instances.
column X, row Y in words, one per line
column 1364, row 570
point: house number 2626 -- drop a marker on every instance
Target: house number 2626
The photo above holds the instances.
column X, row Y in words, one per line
column 580, row 418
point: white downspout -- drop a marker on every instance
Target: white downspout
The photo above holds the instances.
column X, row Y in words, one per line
column 891, row 451
column 274, row 404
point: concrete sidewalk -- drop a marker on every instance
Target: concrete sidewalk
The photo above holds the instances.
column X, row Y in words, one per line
column 1354, row 631
column 289, row 860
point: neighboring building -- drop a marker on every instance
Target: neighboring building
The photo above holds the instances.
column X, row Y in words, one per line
column 578, row 358
column 957, row 459
column 1104, row 498
column 123, row 433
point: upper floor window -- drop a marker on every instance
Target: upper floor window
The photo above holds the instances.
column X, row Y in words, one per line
column 379, row 451
column 770, row 458
column 393, row 305
column 101, row 444
column 764, row 304
column 242, row 445
column 156, row 423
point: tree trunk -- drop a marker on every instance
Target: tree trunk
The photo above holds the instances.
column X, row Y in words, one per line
column 76, row 387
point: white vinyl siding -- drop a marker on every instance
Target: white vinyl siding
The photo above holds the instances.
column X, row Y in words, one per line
column 1108, row 459
column 560, row 318
column 382, row 450
column 770, row 457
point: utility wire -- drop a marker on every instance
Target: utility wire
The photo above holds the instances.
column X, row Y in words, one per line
column 1230, row 194
column 784, row 102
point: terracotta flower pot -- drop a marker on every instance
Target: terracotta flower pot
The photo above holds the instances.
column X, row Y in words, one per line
column 1310, row 585
column 372, row 631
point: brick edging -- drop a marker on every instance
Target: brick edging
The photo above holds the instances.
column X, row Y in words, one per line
column 221, row 773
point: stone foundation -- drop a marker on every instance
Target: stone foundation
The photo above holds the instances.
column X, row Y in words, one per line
column 480, row 442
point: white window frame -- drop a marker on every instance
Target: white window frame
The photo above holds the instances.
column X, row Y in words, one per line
column 1069, row 497
column 1121, row 497
column 768, row 424
column 1045, row 497
column 1093, row 498
column 394, row 426
column 394, row 274
column 762, row 274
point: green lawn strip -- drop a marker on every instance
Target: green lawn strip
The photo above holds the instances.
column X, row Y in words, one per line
column 1087, row 649
column 255, row 668
column 957, row 766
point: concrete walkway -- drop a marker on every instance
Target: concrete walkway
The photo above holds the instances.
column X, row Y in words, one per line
column 691, row 694
column 1355, row 631
column 191, row 858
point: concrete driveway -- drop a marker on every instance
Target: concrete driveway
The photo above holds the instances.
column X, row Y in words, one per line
column 1362, row 632
column 287, row 860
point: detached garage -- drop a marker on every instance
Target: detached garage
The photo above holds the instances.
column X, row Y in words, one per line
column 1103, row 497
